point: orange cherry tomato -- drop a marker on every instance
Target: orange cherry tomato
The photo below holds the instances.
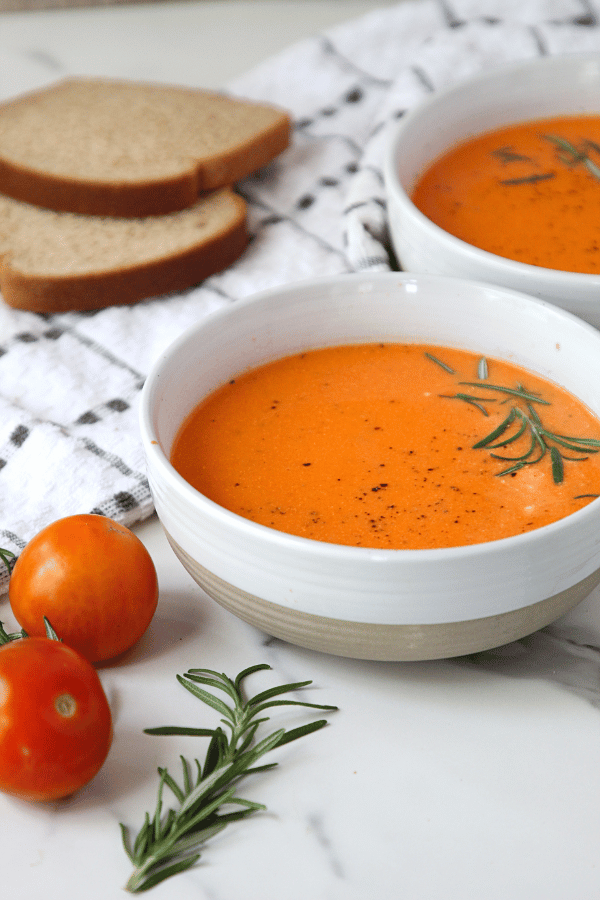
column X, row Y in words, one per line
column 55, row 721
column 93, row 580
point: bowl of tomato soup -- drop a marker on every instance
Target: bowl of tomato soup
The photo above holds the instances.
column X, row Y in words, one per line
column 498, row 179
column 391, row 466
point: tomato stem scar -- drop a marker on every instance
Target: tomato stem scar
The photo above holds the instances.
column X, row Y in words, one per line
column 65, row 705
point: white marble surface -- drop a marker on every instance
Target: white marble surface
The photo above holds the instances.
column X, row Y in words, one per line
column 463, row 779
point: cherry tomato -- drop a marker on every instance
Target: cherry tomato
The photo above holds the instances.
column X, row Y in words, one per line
column 93, row 580
column 55, row 721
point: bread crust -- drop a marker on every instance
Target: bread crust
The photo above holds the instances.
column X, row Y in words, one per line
column 124, row 285
column 130, row 201
column 64, row 192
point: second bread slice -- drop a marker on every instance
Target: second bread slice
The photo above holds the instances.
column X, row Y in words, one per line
column 53, row 262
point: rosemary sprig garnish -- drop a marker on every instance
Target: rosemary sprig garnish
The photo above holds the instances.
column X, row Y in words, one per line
column 517, row 423
column 540, row 437
column 569, row 154
column 572, row 155
column 169, row 843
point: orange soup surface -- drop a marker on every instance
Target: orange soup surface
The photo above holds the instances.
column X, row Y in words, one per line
column 372, row 445
column 529, row 192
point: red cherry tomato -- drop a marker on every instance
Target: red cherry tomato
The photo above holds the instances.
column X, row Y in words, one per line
column 93, row 580
column 55, row 721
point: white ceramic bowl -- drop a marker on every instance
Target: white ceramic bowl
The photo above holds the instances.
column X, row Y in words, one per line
column 542, row 87
column 357, row 602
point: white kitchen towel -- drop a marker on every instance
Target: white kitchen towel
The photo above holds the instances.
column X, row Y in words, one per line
column 70, row 384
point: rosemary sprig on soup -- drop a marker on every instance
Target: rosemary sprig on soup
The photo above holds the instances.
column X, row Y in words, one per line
column 526, row 422
column 395, row 446
column 572, row 156
column 528, row 192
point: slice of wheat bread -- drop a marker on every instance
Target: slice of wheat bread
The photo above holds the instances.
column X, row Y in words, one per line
column 54, row 262
column 124, row 148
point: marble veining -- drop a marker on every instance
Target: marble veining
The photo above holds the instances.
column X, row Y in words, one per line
column 567, row 656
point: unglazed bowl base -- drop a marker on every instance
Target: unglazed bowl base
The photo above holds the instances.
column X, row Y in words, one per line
column 391, row 643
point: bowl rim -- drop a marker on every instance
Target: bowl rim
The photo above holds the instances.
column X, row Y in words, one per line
column 561, row 279
column 323, row 549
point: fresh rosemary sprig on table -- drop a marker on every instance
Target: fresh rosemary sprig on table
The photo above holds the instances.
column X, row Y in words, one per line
column 169, row 843
column 518, row 423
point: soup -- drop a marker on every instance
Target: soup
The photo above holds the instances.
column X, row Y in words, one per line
column 529, row 192
column 401, row 446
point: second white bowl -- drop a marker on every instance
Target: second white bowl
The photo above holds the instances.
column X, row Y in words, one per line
column 549, row 86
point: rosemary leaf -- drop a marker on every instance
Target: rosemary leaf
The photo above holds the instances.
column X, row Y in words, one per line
column 155, row 876
column 172, row 784
column 187, row 781
column 516, row 468
column 439, row 362
column 592, row 168
column 529, row 179
column 519, row 392
column 474, row 401
column 576, row 448
column 585, row 442
column 558, row 471
column 275, row 691
column 524, row 456
column 259, row 667
column 508, row 154
column 207, row 698
column 222, row 682
column 171, row 843
column 215, row 753
column 538, row 437
column 301, row 731
column 497, row 432
column 514, row 437
column 125, row 842
column 176, row 729
column 573, row 155
column 289, row 703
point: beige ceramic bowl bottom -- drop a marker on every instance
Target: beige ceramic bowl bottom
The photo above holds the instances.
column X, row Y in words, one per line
column 391, row 643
